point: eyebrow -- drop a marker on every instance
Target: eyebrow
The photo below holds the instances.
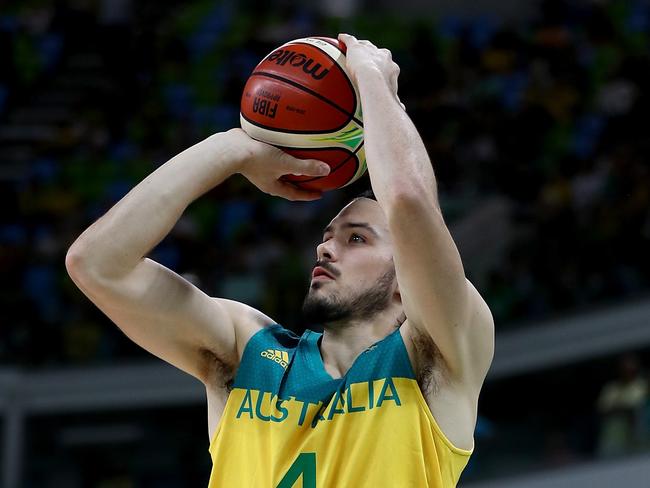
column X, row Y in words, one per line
column 348, row 225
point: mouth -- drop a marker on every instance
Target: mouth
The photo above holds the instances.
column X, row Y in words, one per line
column 320, row 273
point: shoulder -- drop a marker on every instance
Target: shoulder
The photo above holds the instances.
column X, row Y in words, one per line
column 246, row 320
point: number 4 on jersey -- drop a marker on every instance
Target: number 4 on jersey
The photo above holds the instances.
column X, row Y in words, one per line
column 305, row 465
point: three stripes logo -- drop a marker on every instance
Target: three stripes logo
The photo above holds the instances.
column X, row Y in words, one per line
column 276, row 355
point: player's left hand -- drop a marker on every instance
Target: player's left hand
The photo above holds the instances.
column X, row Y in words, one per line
column 362, row 55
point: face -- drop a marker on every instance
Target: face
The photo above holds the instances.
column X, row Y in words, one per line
column 357, row 252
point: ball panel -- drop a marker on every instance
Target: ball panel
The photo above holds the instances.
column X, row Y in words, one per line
column 274, row 104
column 336, row 139
column 313, row 68
column 336, row 51
column 361, row 156
column 278, row 138
column 328, row 44
column 318, row 41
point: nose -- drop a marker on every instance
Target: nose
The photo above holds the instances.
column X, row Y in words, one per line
column 325, row 251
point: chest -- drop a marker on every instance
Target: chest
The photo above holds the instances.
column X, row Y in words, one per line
column 301, row 373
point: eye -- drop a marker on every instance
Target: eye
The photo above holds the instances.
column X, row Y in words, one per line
column 357, row 235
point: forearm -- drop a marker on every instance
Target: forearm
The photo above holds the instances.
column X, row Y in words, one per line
column 398, row 163
column 117, row 241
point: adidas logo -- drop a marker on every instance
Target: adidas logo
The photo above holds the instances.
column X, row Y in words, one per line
column 280, row 357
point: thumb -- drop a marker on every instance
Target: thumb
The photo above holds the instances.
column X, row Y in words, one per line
column 308, row 167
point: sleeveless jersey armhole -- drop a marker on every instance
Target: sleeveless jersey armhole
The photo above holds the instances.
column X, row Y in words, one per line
column 427, row 410
column 256, row 337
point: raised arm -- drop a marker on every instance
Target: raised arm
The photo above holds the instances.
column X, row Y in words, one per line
column 437, row 298
column 155, row 307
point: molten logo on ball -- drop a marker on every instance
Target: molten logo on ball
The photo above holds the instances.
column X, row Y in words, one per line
column 284, row 56
column 301, row 99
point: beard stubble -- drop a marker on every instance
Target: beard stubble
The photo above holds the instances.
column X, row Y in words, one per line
column 322, row 309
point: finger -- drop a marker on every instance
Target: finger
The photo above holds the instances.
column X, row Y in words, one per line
column 387, row 53
column 291, row 191
column 393, row 80
column 366, row 42
column 308, row 167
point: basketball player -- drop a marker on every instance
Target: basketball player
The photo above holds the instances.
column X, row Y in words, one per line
column 387, row 395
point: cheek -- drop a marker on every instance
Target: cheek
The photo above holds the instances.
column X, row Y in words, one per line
column 361, row 280
column 371, row 270
column 362, row 271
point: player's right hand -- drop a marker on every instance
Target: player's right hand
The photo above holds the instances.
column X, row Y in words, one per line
column 264, row 164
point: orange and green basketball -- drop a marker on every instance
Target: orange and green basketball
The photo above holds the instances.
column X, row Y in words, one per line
column 301, row 99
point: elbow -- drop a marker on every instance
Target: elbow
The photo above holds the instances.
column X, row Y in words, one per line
column 79, row 266
column 74, row 261
column 80, row 270
column 92, row 269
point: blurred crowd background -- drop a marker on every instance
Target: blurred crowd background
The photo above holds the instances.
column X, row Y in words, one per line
column 537, row 132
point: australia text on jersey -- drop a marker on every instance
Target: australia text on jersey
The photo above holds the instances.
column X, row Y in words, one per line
column 357, row 397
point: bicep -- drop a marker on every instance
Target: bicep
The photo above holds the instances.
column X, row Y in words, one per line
column 167, row 315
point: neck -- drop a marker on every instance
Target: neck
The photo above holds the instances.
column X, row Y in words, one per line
column 343, row 342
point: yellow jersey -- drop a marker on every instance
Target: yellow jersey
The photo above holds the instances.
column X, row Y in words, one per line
column 288, row 424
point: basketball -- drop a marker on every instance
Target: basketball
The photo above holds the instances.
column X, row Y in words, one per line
column 301, row 99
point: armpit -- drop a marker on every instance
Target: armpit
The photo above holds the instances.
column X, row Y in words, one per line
column 430, row 366
column 218, row 373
